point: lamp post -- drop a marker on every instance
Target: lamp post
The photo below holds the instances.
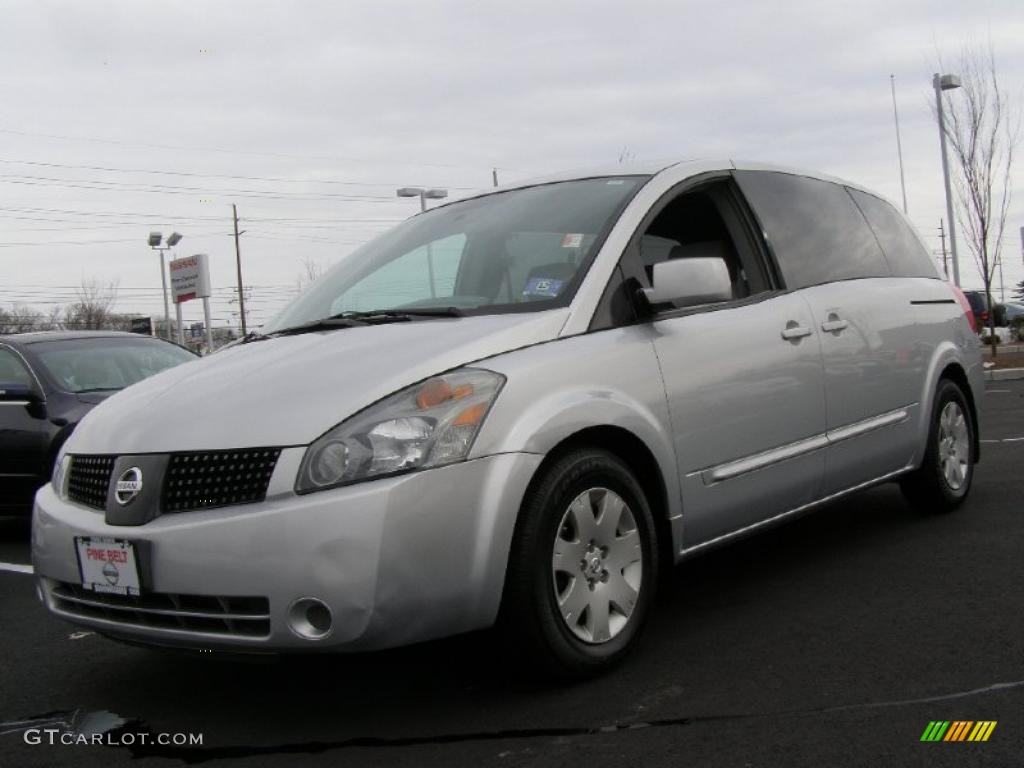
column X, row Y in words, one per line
column 424, row 195
column 947, row 83
column 154, row 242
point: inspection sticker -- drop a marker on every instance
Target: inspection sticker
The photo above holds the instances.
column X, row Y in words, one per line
column 545, row 287
column 572, row 241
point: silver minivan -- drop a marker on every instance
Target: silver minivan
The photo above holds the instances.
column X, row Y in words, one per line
column 518, row 409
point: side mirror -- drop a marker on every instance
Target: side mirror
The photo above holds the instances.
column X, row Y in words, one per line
column 689, row 282
column 15, row 392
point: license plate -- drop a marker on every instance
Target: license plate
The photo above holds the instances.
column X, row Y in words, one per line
column 107, row 565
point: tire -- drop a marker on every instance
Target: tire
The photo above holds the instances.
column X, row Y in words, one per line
column 944, row 478
column 593, row 569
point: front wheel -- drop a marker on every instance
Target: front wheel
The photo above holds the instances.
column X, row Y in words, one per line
column 582, row 569
column 944, row 479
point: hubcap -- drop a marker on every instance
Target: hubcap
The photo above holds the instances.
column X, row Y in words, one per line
column 954, row 446
column 597, row 564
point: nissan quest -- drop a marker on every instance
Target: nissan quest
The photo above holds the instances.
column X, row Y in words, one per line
column 518, row 409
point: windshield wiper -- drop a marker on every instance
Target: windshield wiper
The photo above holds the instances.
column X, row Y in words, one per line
column 393, row 315
column 353, row 319
column 323, row 324
column 98, row 389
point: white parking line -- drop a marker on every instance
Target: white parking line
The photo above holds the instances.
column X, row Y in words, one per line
column 16, row 568
column 1005, row 440
column 1000, row 391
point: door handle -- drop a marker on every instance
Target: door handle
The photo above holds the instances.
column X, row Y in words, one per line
column 794, row 331
column 834, row 324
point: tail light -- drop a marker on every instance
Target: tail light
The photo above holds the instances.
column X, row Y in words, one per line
column 966, row 306
column 984, row 317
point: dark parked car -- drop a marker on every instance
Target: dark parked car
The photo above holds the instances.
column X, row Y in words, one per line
column 1007, row 314
column 979, row 306
column 48, row 382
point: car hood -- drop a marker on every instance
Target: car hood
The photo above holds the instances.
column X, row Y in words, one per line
column 289, row 390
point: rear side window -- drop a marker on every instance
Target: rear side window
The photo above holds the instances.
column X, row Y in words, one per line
column 904, row 252
column 816, row 231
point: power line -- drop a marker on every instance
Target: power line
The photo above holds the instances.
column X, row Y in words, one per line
column 166, row 189
column 333, row 158
column 67, row 242
column 274, row 179
column 166, row 216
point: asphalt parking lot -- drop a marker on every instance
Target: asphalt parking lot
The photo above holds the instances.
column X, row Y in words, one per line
column 834, row 640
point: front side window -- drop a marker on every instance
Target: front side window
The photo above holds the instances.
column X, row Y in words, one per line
column 523, row 250
column 817, row 233
column 13, row 370
column 106, row 364
column 700, row 223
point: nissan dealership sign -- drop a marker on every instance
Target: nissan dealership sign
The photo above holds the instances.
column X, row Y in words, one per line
column 190, row 278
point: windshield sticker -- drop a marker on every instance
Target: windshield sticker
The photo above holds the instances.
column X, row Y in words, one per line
column 572, row 241
column 543, row 287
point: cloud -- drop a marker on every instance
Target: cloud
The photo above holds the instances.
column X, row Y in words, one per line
column 436, row 93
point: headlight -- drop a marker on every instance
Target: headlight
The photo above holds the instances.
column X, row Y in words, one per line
column 60, row 475
column 426, row 425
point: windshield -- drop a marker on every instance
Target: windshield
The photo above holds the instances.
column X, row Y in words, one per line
column 104, row 364
column 522, row 250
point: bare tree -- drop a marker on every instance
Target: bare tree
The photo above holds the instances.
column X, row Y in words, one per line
column 55, row 320
column 92, row 310
column 983, row 129
column 21, row 318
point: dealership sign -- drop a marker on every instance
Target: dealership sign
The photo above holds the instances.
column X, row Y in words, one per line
column 190, row 278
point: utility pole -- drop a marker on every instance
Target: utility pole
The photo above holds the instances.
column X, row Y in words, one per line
column 942, row 237
column 899, row 145
column 238, row 263
column 494, row 176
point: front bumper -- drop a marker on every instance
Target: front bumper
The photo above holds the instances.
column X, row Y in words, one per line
column 396, row 560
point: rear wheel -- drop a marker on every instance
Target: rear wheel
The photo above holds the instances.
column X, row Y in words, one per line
column 582, row 569
column 944, row 478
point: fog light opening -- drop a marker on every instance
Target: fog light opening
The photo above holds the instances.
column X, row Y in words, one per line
column 310, row 618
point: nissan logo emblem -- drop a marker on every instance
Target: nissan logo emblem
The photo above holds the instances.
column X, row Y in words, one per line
column 129, row 485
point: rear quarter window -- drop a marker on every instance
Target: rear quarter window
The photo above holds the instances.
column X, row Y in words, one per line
column 903, row 250
column 816, row 231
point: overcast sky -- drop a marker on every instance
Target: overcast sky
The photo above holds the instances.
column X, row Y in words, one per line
column 118, row 118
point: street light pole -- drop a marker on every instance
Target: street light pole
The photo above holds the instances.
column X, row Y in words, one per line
column 945, row 83
column 155, row 238
column 163, row 281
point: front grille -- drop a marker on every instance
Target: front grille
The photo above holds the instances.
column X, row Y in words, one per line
column 235, row 616
column 217, row 478
column 89, row 478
